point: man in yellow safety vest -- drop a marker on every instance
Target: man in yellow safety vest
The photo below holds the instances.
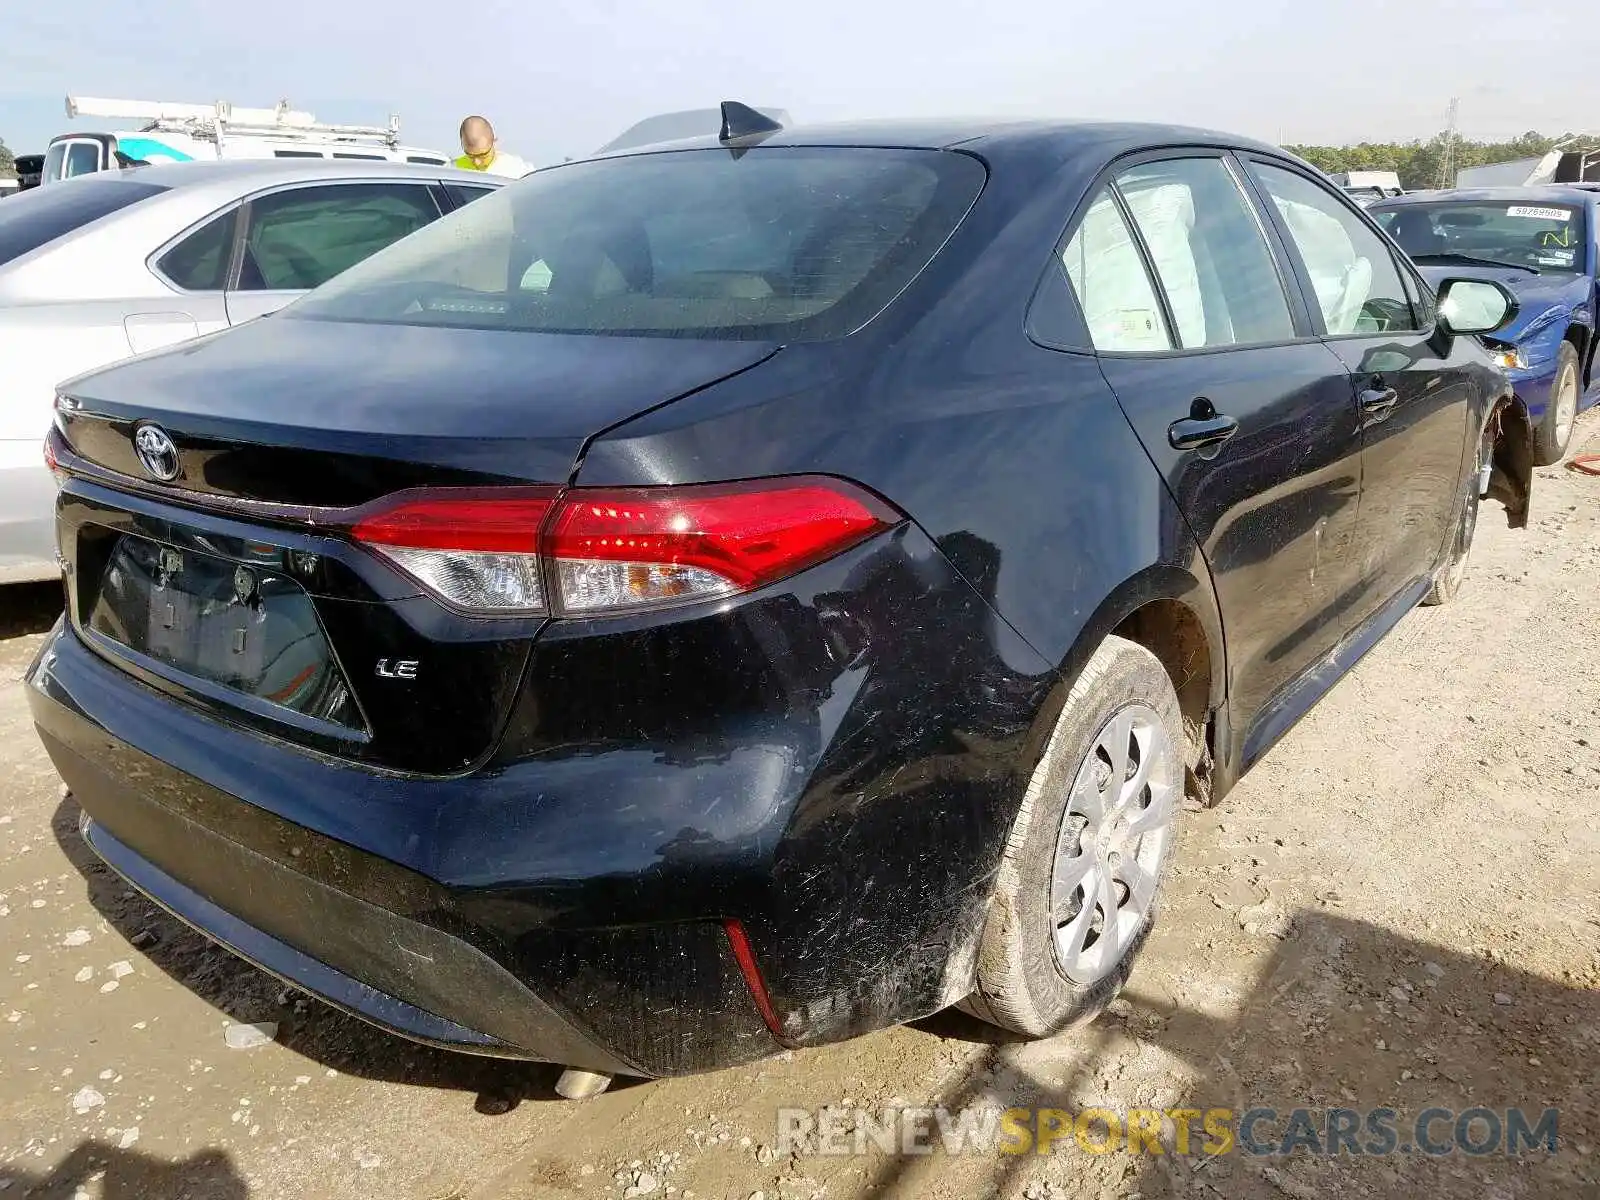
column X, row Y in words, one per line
column 481, row 153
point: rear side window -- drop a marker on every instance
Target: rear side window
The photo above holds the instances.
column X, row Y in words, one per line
column 795, row 242
column 303, row 237
column 199, row 263
column 1209, row 251
column 1114, row 291
column 461, row 194
column 41, row 215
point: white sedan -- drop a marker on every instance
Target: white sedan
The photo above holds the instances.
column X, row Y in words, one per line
column 99, row 268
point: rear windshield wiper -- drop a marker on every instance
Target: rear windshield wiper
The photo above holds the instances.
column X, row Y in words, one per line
column 1470, row 261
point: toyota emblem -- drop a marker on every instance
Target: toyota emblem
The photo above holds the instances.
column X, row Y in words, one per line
column 157, row 455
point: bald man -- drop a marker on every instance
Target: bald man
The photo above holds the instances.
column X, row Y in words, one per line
column 480, row 151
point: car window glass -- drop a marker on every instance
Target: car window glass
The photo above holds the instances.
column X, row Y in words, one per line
column 800, row 243
column 54, row 161
column 83, row 158
column 1113, row 289
column 1208, row 251
column 1357, row 284
column 199, row 263
column 301, row 238
column 1547, row 237
column 464, row 193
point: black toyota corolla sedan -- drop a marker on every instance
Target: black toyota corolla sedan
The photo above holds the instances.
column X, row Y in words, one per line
column 744, row 593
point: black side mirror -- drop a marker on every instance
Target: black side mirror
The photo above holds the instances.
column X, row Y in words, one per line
column 1475, row 306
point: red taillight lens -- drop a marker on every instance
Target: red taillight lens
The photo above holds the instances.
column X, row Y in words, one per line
column 647, row 546
column 479, row 550
column 608, row 550
column 482, row 522
column 51, row 462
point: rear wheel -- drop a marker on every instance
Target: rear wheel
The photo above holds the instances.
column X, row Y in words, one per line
column 1076, row 892
column 1554, row 431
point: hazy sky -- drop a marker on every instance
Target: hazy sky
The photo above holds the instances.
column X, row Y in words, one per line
column 559, row 77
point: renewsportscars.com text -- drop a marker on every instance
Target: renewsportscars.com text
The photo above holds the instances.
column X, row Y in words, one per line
column 1257, row 1132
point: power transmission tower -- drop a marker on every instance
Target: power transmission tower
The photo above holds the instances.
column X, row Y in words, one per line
column 1447, row 164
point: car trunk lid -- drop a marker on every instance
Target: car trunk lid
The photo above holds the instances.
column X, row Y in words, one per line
column 323, row 413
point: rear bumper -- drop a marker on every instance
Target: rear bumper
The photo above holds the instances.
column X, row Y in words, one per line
column 365, row 934
column 280, row 958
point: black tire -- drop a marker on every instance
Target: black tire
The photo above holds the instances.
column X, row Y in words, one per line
column 1550, row 440
column 1454, row 572
column 1021, row 983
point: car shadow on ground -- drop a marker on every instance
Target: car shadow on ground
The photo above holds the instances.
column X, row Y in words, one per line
column 243, row 992
column 1346, row 1015
column 28, row 608
column 128, row 1175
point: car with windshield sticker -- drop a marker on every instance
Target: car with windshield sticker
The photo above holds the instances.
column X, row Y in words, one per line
column 1540, row 243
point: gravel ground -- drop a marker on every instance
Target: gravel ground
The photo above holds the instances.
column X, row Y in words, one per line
column 1397, row 908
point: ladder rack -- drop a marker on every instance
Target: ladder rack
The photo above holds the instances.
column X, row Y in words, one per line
column 214, row 122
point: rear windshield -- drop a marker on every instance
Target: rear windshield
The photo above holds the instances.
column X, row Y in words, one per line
column 1522, row 233
column 797, row 243
column 43, row 214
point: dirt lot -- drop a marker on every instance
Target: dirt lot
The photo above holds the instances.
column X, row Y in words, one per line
column 1400, row 907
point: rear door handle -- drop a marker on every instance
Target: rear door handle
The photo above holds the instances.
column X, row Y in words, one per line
column 1202, row 430
column 1376, row 402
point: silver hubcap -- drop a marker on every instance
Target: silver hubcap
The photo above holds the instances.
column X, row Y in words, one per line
column 1566, row 404
column 1113, row 843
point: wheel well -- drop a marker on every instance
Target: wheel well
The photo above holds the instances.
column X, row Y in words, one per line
column 1173, row 633
column 1581, row 338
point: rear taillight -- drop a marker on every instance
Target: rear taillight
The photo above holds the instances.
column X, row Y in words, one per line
column 602, row 550
column 477, row 550
column 53, row 463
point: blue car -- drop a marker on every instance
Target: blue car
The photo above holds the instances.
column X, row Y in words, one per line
column 1540, row 243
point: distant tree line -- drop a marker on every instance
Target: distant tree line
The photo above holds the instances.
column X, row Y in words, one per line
column 8, row 161
column 1419, row 163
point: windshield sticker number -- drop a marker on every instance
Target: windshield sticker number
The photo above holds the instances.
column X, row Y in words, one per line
column 1536, row 213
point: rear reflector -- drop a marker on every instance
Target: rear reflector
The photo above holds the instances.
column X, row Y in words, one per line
column 739, row 942
column 614, row 550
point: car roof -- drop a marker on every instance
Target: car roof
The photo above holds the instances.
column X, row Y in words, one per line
column 986, row 136
column 1533, row 193
column 263, row 172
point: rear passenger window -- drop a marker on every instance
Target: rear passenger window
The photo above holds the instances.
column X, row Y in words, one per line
column 1113, row 289
column 1209, row 252
column 464, row 193
column 199, row 263
column 1357, row 284
column 299, row 239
